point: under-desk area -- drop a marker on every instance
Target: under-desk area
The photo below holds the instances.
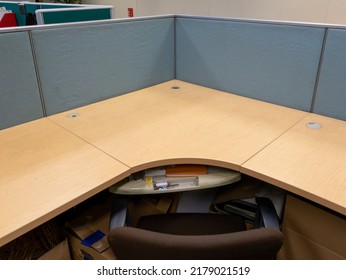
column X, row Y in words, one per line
column 85, row 143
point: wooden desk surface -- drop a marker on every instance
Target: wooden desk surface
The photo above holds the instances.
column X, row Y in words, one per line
column 193, row 124
column 45, row 170
column 49, row 165
column 308, row 162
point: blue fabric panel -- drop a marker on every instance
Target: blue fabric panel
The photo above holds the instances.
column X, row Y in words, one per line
column 331, row 93
column 271, row 62
column 19, row 96
column 85, row 64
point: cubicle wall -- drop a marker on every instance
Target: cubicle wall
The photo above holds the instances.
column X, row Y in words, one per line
column 272, row 62
column 71, row 66
column 331, row 91
column 67, row 66
column 51, row 16
column 48, row 13
column 19, row 95
column 84, row 64
column 21, row 8
column 74, row 65
column 296, row 65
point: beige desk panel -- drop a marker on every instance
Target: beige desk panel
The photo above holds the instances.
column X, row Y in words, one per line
column 45, row 170
column 308, row 162
column 193, row 124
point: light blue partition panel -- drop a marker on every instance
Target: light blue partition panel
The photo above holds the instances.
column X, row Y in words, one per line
column 19, row 95
column 331, row 93
column 84, row 64
column 276, row 63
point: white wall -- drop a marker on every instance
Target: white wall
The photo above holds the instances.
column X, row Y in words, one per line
column 320, row 11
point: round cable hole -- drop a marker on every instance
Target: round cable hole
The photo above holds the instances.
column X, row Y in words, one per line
column 73, row 115
column 313, row 125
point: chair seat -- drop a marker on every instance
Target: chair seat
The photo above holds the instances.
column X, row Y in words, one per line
column 195, row 236
column 129, row 243
column 192, row 223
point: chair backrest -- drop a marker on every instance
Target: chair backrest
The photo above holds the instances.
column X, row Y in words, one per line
column 134, row 243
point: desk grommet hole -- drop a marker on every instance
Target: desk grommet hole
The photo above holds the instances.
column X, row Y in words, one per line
column 313, row 125
column 175, row 87
column 73, row 115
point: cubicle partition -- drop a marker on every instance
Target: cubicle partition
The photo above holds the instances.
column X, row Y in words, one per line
column 272, row 62
column 28, row 13
column 49, row 70
column 331, row 92
column 15, row 8
column 85, row 64
column 70, row 65
column 296, row 65
column 71, row 14
column 19, row 95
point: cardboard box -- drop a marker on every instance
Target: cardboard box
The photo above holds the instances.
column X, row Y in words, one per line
column 81, row 252
column 59, row 252
column 312, row 232
column 87, row 234
column 151, row 205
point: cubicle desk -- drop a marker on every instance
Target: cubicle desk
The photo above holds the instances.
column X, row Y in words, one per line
column 45, row 170
column 50, row 165
column 306, row 161
column 161, row 125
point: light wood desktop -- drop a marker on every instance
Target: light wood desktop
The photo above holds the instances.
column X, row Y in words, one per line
column 50, row 165
column 178, row 122
column 45, row 170
column 310, row 162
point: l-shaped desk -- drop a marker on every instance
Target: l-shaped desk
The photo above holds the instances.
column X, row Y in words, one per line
column 52, row 164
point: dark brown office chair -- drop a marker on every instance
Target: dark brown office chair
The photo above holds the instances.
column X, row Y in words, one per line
column 199, row 236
